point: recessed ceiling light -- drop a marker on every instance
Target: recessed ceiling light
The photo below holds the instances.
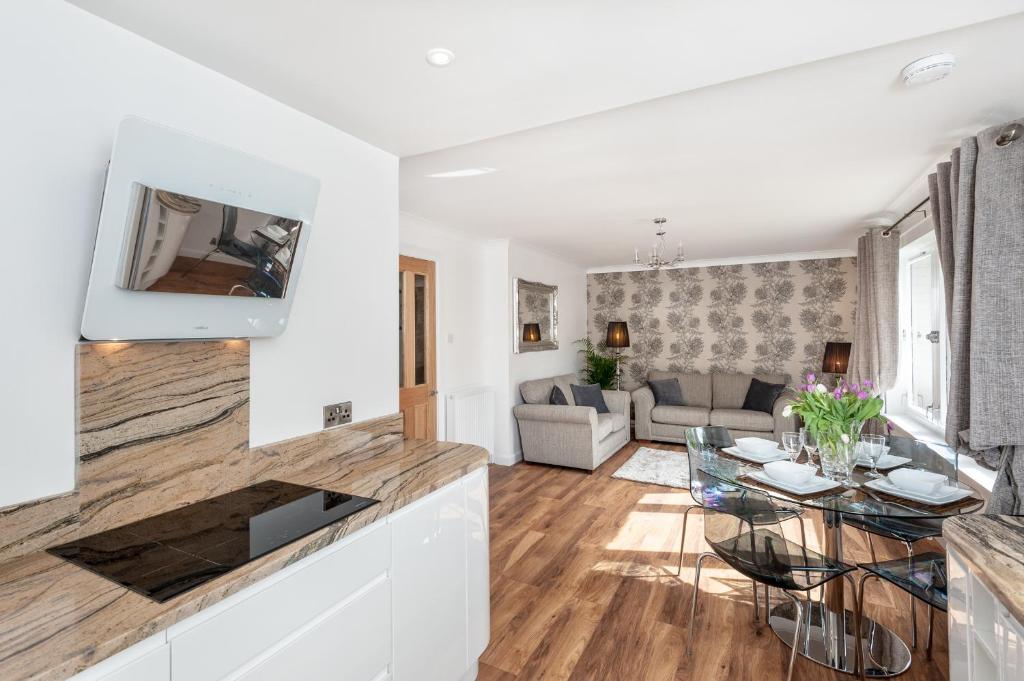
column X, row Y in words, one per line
column 440, row 57
column 928, row 69
column 465, row 172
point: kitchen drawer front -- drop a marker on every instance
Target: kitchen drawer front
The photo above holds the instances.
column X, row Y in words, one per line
column 351, row 642
column 211, row 646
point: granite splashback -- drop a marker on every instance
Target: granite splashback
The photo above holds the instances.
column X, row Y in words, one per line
column 162, row 425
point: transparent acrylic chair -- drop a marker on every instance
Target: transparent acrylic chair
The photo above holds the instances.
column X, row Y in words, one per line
column 715, row 438
column 923, row 576
column 925, row 456
column 739, row 534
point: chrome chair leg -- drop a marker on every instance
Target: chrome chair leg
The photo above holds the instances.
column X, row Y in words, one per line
column 682, row 540
column 796, row 634
column 913, row 604
column 859, row 618
column 757, row 600
column 858, row 663
column 693, row 600
column 871, row 547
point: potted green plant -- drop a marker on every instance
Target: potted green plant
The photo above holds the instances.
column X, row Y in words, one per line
column 597, row 367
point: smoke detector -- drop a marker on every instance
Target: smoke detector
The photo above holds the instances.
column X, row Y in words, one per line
column 928, row 69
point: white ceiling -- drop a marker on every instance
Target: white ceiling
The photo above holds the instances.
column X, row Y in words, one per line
column 754, row 131
column 359, row 64
column 789, row 161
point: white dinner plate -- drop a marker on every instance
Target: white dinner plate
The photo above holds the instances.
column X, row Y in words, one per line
column 946, row 494
column 815, row 484
column 777, row 455
column 887, row 462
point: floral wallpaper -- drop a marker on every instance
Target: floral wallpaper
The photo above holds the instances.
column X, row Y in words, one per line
column 770, row 317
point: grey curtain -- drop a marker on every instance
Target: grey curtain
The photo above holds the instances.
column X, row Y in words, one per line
column 977, row 203
column 875, row 351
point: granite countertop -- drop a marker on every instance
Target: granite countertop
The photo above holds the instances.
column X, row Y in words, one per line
column 57, row 619
column 994, row 545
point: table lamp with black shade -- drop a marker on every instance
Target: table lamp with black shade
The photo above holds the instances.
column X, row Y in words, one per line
column 617, row 338
column 531, row 333
column 837, row 358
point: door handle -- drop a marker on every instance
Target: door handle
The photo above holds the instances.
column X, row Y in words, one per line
column 932, row 336
column 432, row 393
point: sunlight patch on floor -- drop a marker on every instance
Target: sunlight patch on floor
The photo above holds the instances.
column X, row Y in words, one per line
column 645, row 531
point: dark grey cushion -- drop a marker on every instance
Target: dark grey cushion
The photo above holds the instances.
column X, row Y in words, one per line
column 667, row 392
column 557, row 396
column 590, row 396
column 761, row 396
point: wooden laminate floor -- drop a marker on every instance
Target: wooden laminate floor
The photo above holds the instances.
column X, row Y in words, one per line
column 584, row 587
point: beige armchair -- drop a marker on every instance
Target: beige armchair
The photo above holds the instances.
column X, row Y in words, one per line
column 711, row 399
column 570, row 435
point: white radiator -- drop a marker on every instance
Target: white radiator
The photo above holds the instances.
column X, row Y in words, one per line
column 469, row 416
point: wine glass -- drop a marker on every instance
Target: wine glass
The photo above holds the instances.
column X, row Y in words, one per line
column 791, row 443
column 808, row 442
column 874, row 445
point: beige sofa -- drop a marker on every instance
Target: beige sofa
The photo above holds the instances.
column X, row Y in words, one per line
column 570, row 435
column 711, row 400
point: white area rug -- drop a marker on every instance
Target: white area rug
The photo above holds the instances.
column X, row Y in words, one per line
column 657, row 466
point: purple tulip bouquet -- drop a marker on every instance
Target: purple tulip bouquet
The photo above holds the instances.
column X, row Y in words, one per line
column 835, row 416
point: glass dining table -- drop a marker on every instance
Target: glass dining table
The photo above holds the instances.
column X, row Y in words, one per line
column 829, row 632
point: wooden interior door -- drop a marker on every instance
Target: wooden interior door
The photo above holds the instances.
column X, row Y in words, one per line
column 417, row 380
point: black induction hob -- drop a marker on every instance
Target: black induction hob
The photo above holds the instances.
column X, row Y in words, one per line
column 165, row 555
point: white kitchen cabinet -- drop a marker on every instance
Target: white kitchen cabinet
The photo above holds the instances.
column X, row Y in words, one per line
column 429, row 545
column 478, row 556
column 228, row 636
column 405, row 599
column 985, row 641
column 349, row 643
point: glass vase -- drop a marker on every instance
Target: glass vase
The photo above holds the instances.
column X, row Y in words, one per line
column 837, row 446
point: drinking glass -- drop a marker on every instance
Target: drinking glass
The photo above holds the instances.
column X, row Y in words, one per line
column 827, row 457
column 847, row 462
column 874, row 445
column 808, row 442
column 791, row 443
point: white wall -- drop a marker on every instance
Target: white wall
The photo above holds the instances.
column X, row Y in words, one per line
column 68, row 78
column 474, row 317
column 466, row 352
column 571, row 279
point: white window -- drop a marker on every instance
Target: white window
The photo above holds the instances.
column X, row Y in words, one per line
column 921, row 391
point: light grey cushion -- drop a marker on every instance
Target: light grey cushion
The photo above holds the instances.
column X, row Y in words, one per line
column 609, row 423
column 729, row 390
column 538, row 391
column 696, row 387
column 681, row 416
column 743, row 419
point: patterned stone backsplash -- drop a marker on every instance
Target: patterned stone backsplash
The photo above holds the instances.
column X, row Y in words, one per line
column 771, row 317
column 164, row 424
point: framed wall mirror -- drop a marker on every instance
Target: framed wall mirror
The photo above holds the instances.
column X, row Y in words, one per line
column 535, row 316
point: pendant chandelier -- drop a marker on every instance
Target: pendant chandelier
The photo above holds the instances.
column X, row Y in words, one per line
column 656, row 258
